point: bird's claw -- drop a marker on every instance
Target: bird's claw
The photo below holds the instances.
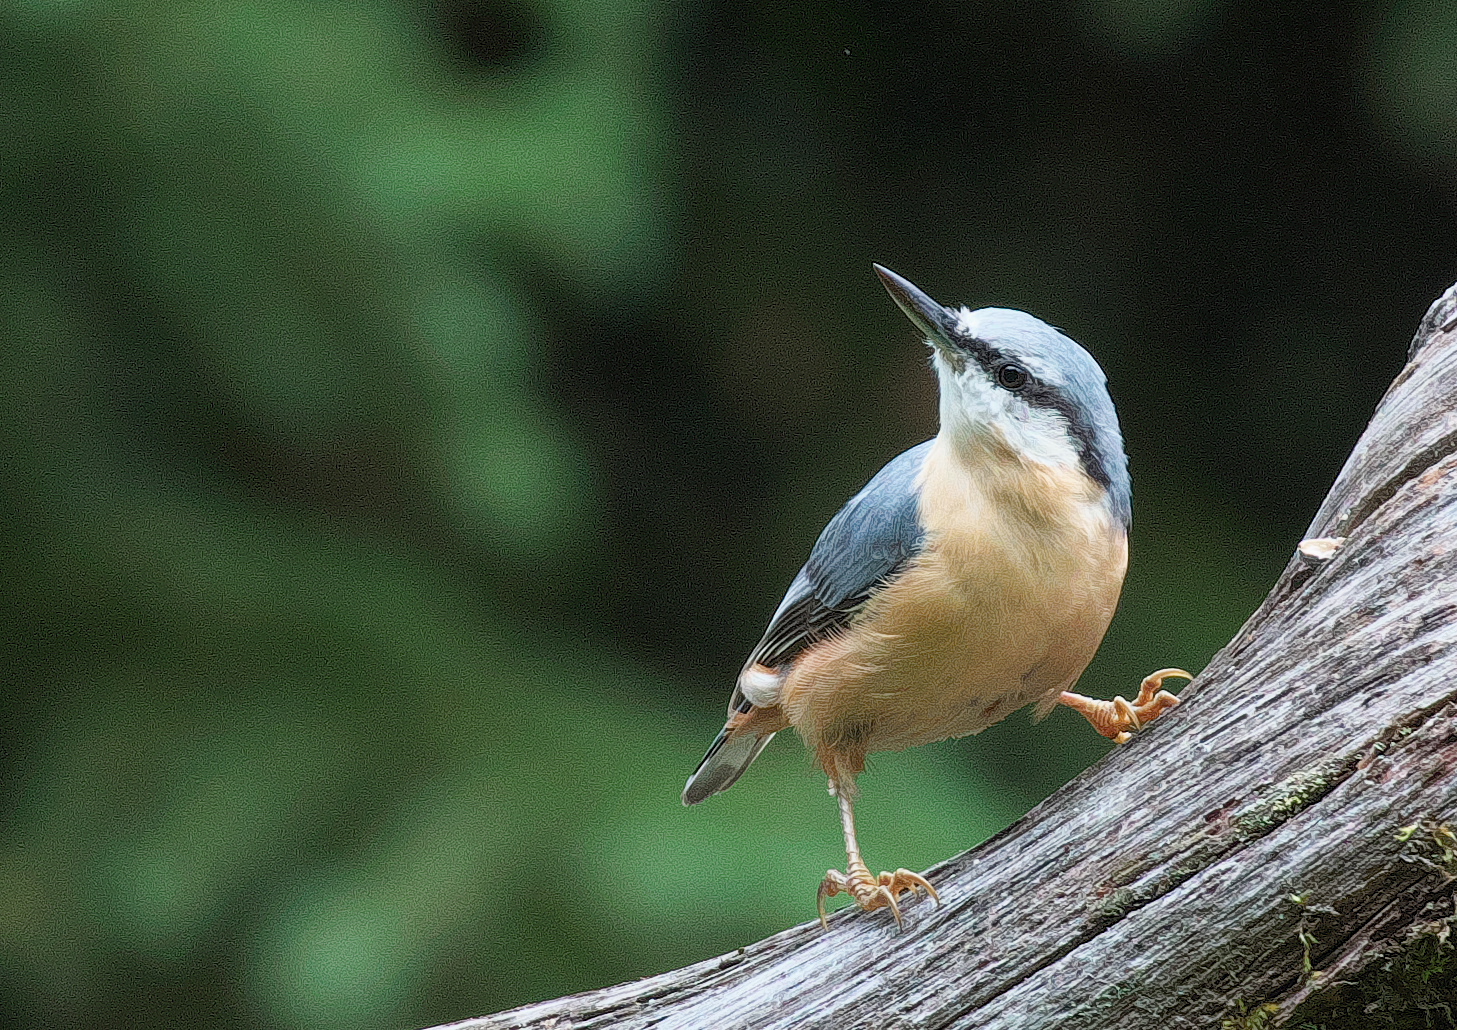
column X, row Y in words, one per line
column 871, row 892
column 1120, row 719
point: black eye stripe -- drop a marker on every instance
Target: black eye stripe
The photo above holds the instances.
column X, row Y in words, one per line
column 1039, row 394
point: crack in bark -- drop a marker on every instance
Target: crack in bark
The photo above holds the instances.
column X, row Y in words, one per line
column 1292, row 797
column 1423, row 461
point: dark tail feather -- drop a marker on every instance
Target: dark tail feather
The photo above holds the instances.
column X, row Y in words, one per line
column 725, row 762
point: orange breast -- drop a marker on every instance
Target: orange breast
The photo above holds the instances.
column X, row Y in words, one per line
column 1005, row 608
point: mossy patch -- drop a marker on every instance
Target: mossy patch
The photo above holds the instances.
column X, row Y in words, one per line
column 1291, row 797
column 1414, row 988
column 1251, row 1017
column 1430, row 843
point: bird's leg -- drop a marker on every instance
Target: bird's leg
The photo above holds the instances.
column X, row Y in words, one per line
column 870, row 892
column 1120, row 719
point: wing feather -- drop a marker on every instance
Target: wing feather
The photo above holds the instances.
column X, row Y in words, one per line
column 868, row 542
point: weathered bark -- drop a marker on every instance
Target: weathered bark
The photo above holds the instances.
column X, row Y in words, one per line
column 1286, row 832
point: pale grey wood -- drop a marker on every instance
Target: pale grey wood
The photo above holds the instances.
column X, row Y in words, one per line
column 1265, row 842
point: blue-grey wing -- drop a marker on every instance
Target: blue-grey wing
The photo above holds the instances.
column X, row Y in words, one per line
column 870, row 540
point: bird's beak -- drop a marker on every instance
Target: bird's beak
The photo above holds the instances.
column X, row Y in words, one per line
column 931, row 318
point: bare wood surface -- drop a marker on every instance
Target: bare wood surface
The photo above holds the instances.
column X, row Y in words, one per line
column 1270, row 842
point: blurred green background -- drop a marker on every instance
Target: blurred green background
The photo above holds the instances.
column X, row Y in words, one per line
column 413, row 410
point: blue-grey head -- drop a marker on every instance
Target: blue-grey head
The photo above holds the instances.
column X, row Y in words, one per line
column 1044, row 394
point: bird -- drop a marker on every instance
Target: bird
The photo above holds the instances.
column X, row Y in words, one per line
column 974, row 575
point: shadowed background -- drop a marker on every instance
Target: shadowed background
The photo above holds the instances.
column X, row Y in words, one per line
column 410, row 413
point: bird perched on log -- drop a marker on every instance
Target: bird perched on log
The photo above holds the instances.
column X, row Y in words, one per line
column 975, row 574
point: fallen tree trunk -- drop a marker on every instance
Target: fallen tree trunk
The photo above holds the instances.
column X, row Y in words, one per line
column 1282, row 846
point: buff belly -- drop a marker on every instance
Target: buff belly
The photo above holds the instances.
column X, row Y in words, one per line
column 1004, row 608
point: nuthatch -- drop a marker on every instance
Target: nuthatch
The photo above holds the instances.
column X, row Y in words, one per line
column 975, row 574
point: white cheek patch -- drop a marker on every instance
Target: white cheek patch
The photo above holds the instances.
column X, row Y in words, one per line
column 971, row 406
column 1043, row 435
column 968, row 400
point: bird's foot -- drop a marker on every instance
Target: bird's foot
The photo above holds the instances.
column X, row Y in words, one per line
column 1120, row 718
column 872, row 892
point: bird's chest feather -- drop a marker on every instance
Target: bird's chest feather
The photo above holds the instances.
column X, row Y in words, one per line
column 1005, row 607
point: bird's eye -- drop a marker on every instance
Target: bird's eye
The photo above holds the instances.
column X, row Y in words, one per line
column 1012, row 377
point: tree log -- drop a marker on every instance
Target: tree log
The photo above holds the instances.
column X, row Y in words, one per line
column 1280, row 845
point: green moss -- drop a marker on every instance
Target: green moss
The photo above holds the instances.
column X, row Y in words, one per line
column 1292, row 796
column 1430, row 843
column 1257, row 1017
column 1117, row 904
column 1415, row 989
